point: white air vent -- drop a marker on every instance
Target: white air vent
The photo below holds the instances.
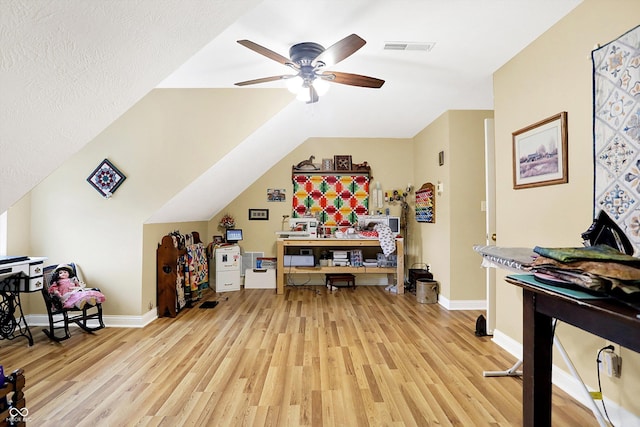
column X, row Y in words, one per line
column 425, row 47
column 249, row 260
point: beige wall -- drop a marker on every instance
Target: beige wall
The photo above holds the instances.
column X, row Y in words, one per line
column 552, row 75
column 433, row 241
column 19, row 227
column 395, row 163
column 467, row 187
column 161, row 144
column 18, row 237
column 390, row 165
column 460, row 223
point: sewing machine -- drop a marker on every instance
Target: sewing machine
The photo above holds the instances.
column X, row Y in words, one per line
column 301, row 228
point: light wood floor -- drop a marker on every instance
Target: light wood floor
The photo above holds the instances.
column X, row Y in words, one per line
column 306, row 358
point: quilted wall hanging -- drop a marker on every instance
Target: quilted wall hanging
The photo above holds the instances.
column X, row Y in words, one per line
column 334, row 199
column 616, row 132
column 106, row 178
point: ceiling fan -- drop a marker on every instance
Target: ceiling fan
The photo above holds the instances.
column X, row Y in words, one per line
column 309, row 60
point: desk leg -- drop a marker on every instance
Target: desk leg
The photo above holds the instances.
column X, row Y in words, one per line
column 537, row 354
column 400, row 267
column 279, row 267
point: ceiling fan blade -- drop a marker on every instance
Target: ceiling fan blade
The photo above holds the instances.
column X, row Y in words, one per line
column 264, row 80
column 351, row 79
column 341, row 50
column 266, row 52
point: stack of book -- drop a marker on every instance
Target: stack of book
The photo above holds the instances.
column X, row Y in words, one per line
column 356, row 258
column 369, row 262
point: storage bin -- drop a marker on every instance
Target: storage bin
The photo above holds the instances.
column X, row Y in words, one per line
column 427, row 291
column 260, row 278
column 387, row 261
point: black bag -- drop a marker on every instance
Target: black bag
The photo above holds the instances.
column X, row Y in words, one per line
column 604, row 231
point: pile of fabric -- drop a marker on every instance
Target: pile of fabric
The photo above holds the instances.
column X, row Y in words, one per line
column 599, row 268
column 516, row 260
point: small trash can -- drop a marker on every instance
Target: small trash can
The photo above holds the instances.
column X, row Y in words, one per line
column 426, row 291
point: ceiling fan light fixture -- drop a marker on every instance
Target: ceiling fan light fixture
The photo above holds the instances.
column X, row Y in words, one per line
column 295, row 84
column 304, row 95
column 309, row 60
column 321, row 86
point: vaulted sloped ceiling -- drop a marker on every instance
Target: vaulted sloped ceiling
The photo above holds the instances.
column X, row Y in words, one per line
column 70, row 68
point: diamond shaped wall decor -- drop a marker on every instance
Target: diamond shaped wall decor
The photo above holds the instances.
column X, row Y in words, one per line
column 106, row 179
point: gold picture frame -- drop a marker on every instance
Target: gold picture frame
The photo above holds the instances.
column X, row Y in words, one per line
column 540, row 153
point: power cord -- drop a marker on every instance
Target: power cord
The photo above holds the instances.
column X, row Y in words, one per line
column 598, row 361
column 293, row 284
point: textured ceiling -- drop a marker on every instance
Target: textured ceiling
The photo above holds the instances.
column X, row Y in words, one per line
column 69, row 68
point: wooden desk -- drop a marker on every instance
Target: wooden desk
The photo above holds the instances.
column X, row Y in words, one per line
column 344, row 244
column 607, row 318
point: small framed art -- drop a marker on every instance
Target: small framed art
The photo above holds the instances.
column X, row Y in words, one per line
column 258, row 214
column 276, row 195
column 540, row 153
column 342, row 163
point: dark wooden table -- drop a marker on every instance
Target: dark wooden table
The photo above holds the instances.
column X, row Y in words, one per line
column 607, row 318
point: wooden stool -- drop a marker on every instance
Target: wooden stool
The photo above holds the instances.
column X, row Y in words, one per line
column 332, row 278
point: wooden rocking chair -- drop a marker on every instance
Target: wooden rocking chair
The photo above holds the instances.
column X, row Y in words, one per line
column 60, row 317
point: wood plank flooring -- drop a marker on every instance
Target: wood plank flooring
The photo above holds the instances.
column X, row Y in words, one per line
column 360, row 357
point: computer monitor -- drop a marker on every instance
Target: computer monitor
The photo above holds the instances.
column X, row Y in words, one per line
column 233, row 235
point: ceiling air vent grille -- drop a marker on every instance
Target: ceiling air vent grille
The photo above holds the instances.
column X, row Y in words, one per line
column 424, row 47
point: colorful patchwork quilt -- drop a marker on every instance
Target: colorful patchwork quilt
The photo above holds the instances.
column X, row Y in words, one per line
column 334, row 200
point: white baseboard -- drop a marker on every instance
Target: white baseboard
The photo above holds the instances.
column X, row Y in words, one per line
column 570, row 385
column 109, row 321
column 462, row 304
column 512, row 346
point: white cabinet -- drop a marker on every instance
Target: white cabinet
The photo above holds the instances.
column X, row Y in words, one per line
column 228, row 262
column 259, row 278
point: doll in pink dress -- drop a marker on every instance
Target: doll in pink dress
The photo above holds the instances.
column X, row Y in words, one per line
column 70, row 291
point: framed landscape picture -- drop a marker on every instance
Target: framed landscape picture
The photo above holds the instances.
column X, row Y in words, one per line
column 540, row 153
